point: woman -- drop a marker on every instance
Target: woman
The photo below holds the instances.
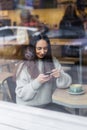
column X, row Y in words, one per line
column 34, row 85
column 71, row 26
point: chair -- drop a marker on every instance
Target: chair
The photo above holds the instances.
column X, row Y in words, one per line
column 9, row 86
column 4, row 75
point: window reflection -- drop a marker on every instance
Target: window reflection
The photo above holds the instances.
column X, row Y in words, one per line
column 45, row 17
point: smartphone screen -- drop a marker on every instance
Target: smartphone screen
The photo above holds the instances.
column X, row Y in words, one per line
column 48, row 73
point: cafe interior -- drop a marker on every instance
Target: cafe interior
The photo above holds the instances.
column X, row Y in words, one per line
column 69, row 48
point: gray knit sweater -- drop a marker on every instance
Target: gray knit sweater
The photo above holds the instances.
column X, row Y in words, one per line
column 32, row 93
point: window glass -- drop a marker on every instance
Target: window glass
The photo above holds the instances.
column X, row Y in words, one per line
column 62, row 52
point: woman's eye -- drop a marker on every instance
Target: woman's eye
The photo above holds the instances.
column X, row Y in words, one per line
column 45, row 48
column 38, row 48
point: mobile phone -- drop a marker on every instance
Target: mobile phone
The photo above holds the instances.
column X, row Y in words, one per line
column 48, row 73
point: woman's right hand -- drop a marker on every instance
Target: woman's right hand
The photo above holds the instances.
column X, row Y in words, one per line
column 43, row 78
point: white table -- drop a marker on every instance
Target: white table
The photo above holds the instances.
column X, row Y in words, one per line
column 78, row 102
column 17, row 117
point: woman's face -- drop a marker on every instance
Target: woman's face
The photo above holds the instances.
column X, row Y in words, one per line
column 41, row 48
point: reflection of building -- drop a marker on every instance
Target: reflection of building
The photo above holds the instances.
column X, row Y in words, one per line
column 6, row 4
column 48, row 3
column 36, row 4
column 45, row 3
column 29, row 3
column 21, row 2
column 81, row 4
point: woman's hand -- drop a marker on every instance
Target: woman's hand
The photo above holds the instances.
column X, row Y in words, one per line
column 43, row 78
column 56, row 73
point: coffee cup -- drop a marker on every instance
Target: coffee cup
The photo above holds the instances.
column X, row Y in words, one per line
column 76, row 88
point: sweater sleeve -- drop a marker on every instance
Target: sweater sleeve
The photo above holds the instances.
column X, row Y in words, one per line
column 64, row 80
column 26, row 87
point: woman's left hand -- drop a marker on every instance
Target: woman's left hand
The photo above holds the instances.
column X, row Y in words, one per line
column 56, row 73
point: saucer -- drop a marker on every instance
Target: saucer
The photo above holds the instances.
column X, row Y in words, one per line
column 76, row 93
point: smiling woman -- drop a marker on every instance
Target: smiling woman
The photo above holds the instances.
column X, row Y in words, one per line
column 41, row 49
column 34, row 87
